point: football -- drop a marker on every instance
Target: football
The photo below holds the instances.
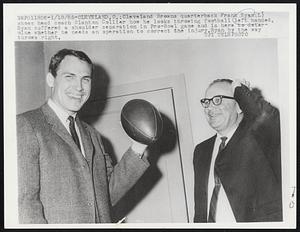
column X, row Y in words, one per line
column 141, row 121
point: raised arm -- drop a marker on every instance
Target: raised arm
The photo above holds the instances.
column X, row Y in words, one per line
column 253, row 104
column 126, row 172
column 264, row 120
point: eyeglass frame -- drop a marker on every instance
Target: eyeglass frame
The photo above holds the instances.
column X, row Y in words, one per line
column 211, row 100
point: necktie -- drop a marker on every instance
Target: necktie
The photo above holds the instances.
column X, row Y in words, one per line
column 73, row 131
column 214, row 197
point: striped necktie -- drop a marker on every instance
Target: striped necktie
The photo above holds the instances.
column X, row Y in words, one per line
column 214, row 197
column 73, row 131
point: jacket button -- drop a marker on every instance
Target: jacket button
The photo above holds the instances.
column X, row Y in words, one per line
column 90, row 204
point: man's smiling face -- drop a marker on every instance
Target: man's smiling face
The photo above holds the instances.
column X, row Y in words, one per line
column 224, row 116
column 71, row 87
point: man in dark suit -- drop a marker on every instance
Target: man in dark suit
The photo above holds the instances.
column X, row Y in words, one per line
column 64, row 174
column 238, row 171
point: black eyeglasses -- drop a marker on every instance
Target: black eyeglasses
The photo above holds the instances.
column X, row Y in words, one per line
column 216, row 100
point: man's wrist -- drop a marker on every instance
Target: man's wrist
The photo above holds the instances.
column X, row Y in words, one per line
column 138, row 148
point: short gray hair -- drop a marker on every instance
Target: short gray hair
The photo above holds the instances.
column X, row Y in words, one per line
column 224, row 80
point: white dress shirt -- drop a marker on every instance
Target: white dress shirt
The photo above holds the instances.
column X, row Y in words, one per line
column 224, row 212
column 63, row 117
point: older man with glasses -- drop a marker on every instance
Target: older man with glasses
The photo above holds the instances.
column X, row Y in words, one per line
column 238, row 170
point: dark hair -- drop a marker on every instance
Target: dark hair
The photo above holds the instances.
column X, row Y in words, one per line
column 61, row 54
column 229, row 81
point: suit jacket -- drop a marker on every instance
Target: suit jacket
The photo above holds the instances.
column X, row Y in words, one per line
column 56, row 184
column 249, row 167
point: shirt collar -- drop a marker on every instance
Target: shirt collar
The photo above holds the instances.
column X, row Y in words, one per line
column 229, row 134
column 60, row 112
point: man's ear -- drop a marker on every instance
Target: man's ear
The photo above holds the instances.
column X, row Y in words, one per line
column 50, row 80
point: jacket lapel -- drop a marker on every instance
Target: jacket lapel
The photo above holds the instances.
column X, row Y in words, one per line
column 227, row 159
column 86, row 140
column 56, row 124
column 203, row 173
column 60, row 129
column 208, row 150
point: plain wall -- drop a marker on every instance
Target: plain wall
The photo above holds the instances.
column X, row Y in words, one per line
column 30, row 75
column 201, row 61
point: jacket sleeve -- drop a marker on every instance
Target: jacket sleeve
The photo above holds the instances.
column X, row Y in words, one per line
column 124, row 174
column 265, row 124
column 264, row 116
column 30, row 206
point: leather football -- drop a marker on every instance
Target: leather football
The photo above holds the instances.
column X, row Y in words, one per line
column 141, row 121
